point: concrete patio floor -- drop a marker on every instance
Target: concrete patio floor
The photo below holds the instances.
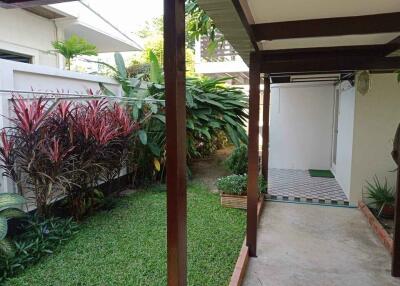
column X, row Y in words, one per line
column 300, row 244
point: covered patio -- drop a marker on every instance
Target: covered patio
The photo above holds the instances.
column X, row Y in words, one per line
column 279, row 39
column 269, row 35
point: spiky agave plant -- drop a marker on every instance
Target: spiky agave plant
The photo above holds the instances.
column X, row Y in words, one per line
column 8, row 210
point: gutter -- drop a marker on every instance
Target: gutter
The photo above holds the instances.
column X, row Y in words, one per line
column 109, row 23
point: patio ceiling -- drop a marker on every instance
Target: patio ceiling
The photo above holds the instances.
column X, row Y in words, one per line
column 289, row 33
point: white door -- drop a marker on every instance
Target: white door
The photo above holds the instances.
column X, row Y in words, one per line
column 335, row 128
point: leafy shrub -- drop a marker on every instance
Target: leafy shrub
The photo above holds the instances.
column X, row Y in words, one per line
column 237, row 184
column 8, row 207
column 89, row 142
column 40, row 238
column 212, row 110
column 380, row 195
column 237, row 161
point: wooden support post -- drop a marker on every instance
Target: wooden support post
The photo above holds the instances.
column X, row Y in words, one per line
column 252, row 185
column 396, row 235
column 174, row 69
column 265, row 130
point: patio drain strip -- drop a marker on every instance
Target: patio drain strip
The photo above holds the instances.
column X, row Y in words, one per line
column 307, row 200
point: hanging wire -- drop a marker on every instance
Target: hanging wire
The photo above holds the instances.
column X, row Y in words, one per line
column 75, row 96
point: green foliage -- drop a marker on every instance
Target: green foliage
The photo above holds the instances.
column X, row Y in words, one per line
column 198, row 24
column 127, row 245
column 380, row 195
column 155, row 46
column 237, row 161
column 8, row 210
column 237, row 184
column 40, row 238
column 74, row 46
column 213, row 111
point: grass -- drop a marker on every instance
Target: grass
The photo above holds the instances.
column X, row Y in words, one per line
column 127, row 245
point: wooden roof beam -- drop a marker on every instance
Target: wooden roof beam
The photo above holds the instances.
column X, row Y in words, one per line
column 330, row 64
column 326, row 27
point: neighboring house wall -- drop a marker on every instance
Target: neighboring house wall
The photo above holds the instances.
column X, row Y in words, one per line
column 301, row 122
column 377, row 115
column 345, row 135
column 25, row 33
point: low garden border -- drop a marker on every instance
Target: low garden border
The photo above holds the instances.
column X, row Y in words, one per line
column 377, row 227
column 243, row 259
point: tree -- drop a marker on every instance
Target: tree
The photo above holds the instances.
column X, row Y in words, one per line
column 199, row 24
column 74, row 46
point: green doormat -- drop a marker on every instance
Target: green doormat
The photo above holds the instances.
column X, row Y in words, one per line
column 321, row 173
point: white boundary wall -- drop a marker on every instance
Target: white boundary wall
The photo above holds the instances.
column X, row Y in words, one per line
column 26, row 77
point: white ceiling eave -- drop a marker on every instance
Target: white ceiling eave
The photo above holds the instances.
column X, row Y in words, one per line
column 228, row 22
column 104, row 42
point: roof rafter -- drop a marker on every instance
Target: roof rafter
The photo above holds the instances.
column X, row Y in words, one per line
column 330, row 59
column 354, row 25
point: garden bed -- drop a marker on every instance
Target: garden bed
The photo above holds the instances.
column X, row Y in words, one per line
column 127, row 245
column 382, row 232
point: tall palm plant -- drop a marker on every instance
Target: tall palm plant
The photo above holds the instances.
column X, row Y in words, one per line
column 73, row 47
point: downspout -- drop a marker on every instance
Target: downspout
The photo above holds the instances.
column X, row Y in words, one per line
column 60, row 62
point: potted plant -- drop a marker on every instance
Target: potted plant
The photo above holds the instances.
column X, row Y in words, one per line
column 381, row 197
column 233, row 190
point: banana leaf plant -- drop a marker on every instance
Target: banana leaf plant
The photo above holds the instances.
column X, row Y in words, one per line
column 8, row 209
column 212, row 107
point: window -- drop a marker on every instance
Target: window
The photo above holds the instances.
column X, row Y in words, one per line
column 6, row 55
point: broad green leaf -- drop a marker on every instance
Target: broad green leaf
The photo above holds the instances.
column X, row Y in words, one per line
column 7, row 248
column 3, row 227
column 153, row 107
column 190, row 124
column 155, row 68
column 7, row 200
column 206, row 133
column 135, row 112
column 105, row 90
column 232, row 136
column 120, row 63
column 230, row 120
column 12, row 213
column 143, row 136
column 154, row 149
column 213, row 102
column 160, row 117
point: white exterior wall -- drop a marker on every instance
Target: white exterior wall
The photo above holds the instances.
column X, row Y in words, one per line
column 301, row 122
column 25, row 33
column 345, row 136
column 377, row 115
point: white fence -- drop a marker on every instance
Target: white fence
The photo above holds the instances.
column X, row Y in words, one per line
column 21, row 78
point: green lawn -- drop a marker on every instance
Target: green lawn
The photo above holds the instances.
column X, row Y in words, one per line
column 127, row 246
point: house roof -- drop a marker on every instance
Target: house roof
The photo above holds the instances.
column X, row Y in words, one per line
column 295, row 27
column 84, row 21
column 77, row 17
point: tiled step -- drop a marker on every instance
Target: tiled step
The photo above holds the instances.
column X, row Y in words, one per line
column 307, row 200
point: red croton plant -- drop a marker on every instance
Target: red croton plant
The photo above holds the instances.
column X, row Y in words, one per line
column 65, row 151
